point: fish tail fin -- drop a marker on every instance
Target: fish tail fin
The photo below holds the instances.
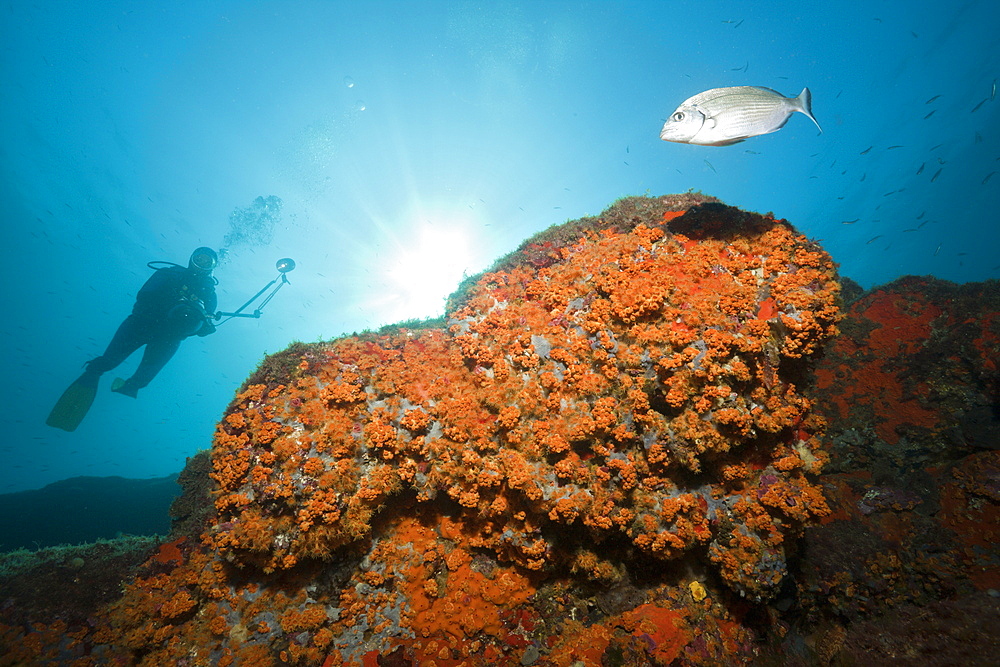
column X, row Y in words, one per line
column 804, row 102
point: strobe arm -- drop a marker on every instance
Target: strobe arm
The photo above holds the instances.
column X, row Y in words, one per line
column 284, row 266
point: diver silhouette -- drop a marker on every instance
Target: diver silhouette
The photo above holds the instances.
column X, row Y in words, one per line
column 175, row 302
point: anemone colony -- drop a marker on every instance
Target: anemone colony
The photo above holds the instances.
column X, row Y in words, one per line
column 619, row 396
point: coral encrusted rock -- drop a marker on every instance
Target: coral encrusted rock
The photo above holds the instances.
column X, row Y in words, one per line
column 621, row 393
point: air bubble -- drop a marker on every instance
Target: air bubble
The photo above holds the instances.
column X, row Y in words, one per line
column 349, row 82
column 360, row 105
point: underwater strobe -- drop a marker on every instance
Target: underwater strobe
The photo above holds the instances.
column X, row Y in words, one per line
column 283, row 265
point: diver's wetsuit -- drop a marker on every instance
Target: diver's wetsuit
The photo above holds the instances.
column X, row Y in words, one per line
column 173, row 304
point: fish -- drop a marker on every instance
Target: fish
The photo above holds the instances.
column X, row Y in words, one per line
column 725, row 116
column 865, row 151
column 921, row 170
column 932, row 99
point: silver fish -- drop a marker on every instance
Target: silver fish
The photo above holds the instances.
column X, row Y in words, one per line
column 724, row 116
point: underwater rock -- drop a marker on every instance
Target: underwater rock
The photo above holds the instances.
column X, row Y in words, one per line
column 911, row 390
column 85, row 509
column 615, row 406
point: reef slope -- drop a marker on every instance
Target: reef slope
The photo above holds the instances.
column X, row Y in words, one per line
column 602, row 456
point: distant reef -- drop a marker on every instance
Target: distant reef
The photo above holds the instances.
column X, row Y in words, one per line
column 669, row 434
column 85, row 509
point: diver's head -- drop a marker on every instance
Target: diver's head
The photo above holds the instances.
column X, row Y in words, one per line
column 203, row 260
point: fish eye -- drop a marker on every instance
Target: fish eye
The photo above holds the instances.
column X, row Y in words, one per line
column 677, row 117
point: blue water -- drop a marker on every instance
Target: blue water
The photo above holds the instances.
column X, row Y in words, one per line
column 411, row 141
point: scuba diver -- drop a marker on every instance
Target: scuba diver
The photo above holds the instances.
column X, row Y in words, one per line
column 175, row 303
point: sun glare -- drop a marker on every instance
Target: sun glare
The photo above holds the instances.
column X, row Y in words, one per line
column 423, row 274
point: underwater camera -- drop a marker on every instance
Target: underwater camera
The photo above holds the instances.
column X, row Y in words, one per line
column 284, row 265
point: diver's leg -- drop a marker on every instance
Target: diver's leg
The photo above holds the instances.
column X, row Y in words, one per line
column 126, row 340
column 154, row 357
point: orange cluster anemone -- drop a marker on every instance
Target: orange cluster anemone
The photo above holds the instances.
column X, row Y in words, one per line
column 621, row 388
column 615, row 387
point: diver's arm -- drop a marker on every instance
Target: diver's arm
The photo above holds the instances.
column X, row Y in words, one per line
column 210, row 301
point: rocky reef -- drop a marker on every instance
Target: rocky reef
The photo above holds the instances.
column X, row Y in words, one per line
column 906, row 566
column 608, row 453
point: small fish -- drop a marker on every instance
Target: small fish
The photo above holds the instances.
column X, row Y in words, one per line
column 865, row 151
column 932, row 99
column 988, row 177
column 934, row 148
column 724, row 116
column 976, row 108
column 710, row 166
column 922, row 213
column 849, row 222
column 993, row 92
column 891, row 147
column 873, row 239
column 921, row 170
column 933, row 111
column 936, row 174
column 937, row 250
